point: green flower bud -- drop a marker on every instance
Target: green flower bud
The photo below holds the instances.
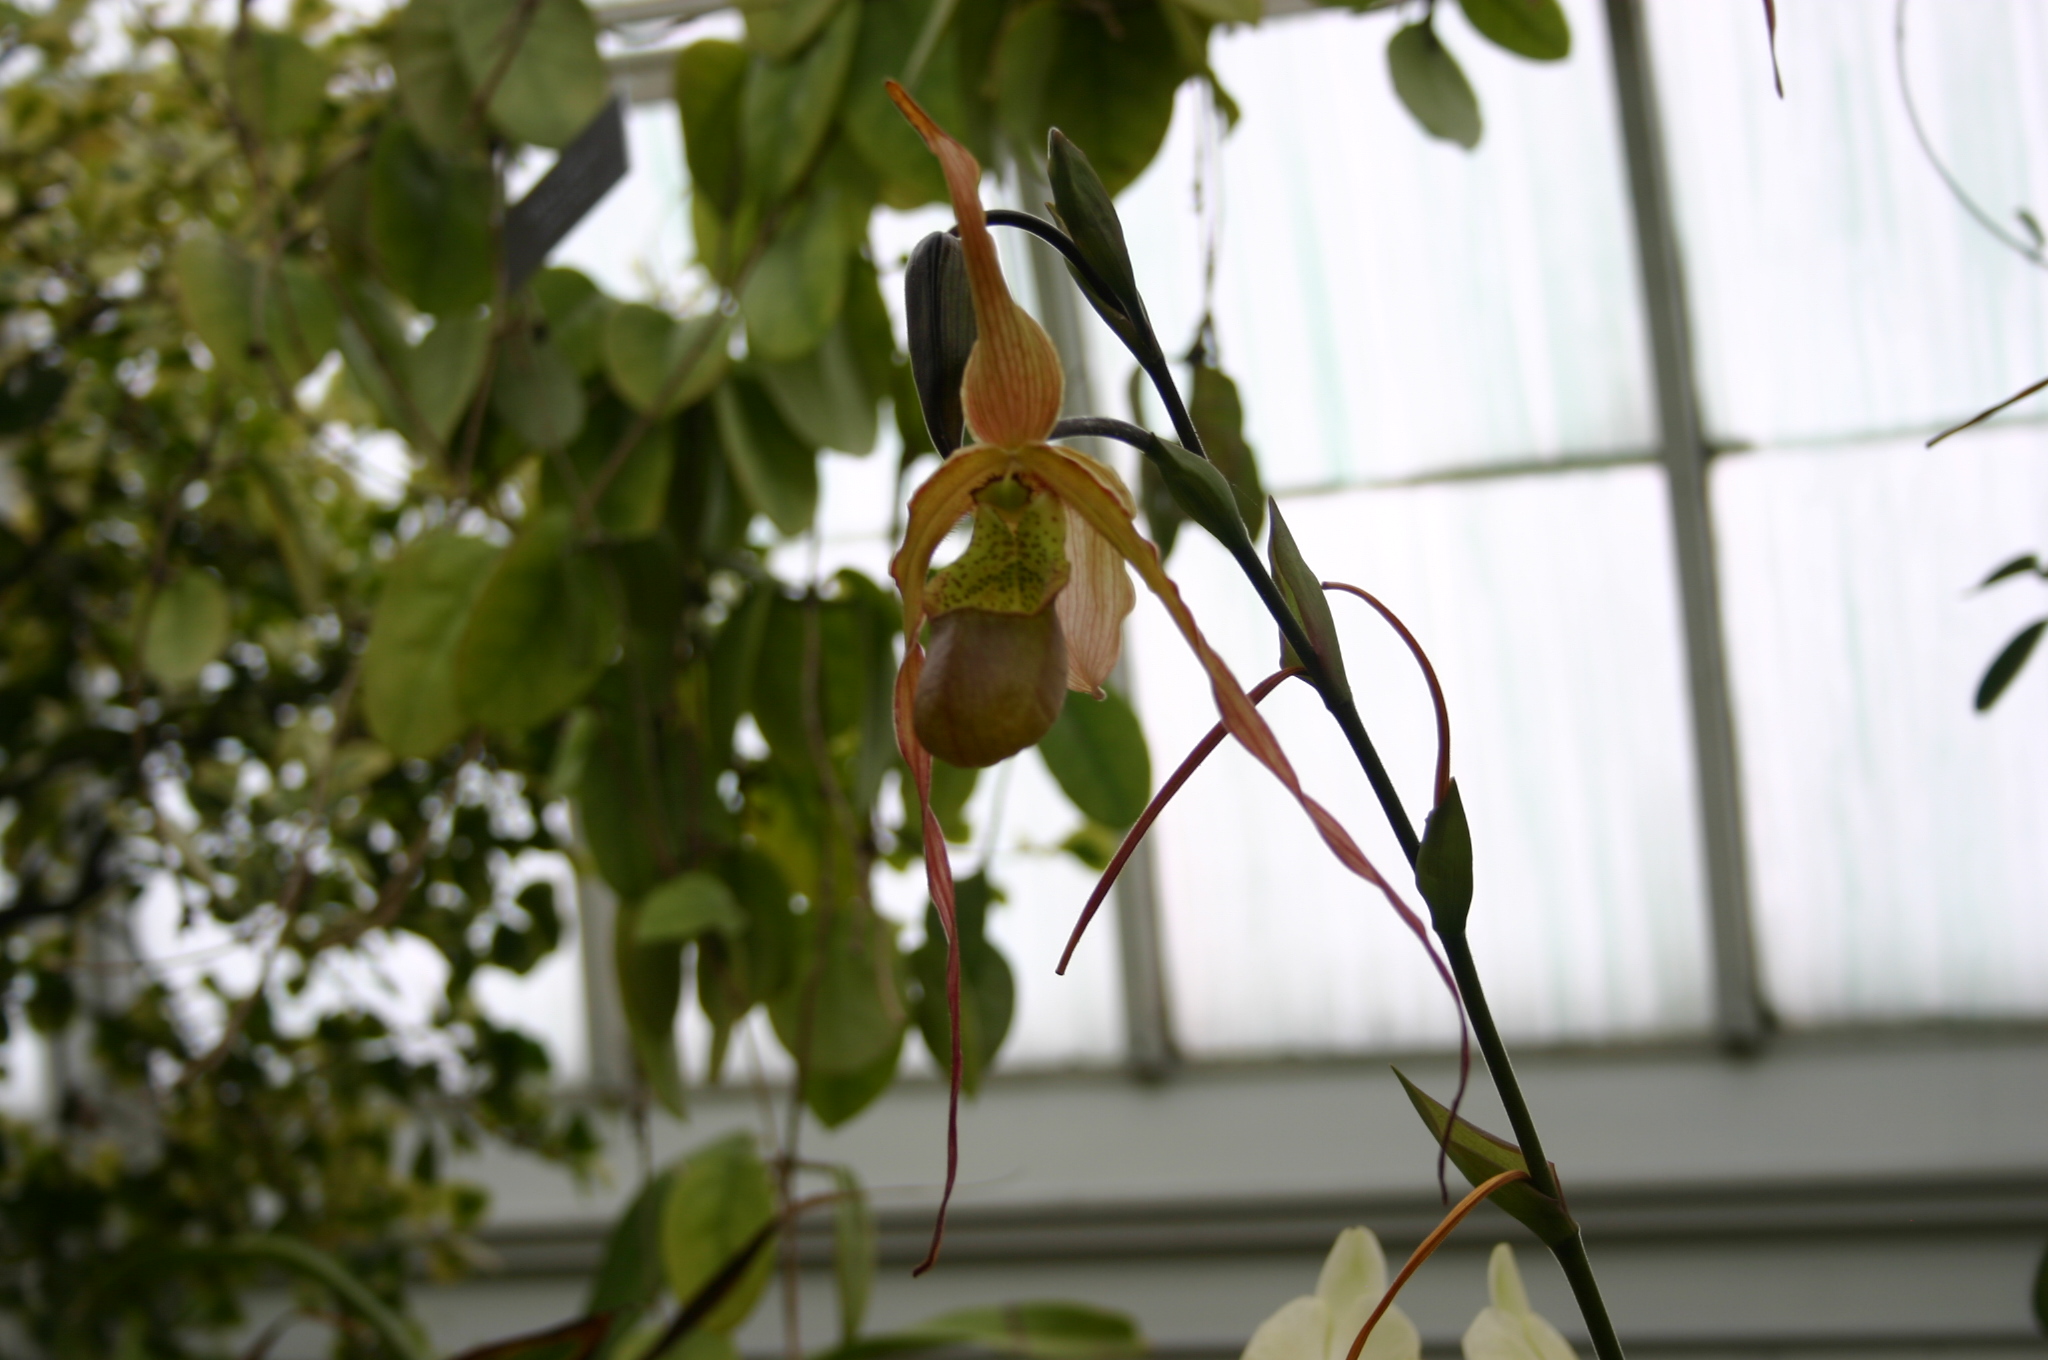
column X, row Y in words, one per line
column 992, row 684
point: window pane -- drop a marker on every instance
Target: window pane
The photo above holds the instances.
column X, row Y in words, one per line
column 1548, row 606
column 1391, row 304
column 1900, row 864
column 1836, row 287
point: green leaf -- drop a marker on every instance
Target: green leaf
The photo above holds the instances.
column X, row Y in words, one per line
column 775, row 470
column 2023, row 565
column 430, row 223
column 650, row 989
column 662, row 365
column 1218, row 414
column 780, row 28
column 1443, row 866
column 1226, row 11
column 889, row 32
column 629, row 1275
column 836, row 1099
column 1033, row 1330
column 787, row 107
column 710, row 80
column 1428, row 80
column 189, row 625
column 845, row 1007
column 1096, row 750
column 823, row 397
column 1085, row 209
column 409, row 696
column 577, row 313
column 553, row 81
column 1303, row 591
column 542, row 631
column 1536, row 29
column 433, row 89
column 1201, row 492
column 988, row 990
column 422, row 390
column 635, row 499
column 853, row 1251
column 443, row 371
column 535, row 390
column 689, row 905
column 277, row 84
column 794, row 296
column 1104, row 77
column 2005, row 667
column 223, row 291
column 216, row 283
column 399, row 1337
column 1480, row 1156
column 722, row 1198
column 1092, row 843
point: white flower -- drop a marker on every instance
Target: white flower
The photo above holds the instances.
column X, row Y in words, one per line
column 1322, row 1326
column 1511, row 1329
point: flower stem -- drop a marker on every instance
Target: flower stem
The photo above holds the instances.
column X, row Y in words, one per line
column 1571, row 1253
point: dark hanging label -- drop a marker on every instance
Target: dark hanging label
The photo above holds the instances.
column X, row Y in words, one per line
column 584, row 173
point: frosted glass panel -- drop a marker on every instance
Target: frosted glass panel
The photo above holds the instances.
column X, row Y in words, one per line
column 1391, row 304
column 1836, row 287
column 1901, row 864
column 1548, row 606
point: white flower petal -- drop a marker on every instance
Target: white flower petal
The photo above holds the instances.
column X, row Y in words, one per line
column 1394, row 1338
column 1497, row 1334
column 1355, row 1268
column 1296, row 1332
column 1504, row 1280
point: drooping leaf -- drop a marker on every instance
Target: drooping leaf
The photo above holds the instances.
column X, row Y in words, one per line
column 722, row 1199
column 433, row 87
column 1104, row 77
column 889, row 33
column 660, row 364
column 687, row 906
column 629, row 1275
column 535, row 390
column 577, row 313
column 787, row 107
column 710, row 79
column 1536, row 29
column 853, row 1251
column 542, row 54
column 1432, row 86
column 430, row 222
column 1480, row 1156
column 408, row 684
column 1304, row 592
column 1443, row 865
column 846, row 1010
column 835, row 1099
column 823, row 397
column 794, row 296
column 277, row 83
column 650, row 978
column 780, row 28
column 189, row 625
column 2005, row 667
column 775, row 470
column 635, row 500
column 541, row 631
column 1096, row 751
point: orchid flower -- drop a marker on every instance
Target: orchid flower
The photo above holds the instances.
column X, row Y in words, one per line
column 1036, row 603
column 1320, row 1326
column 1509, row 1329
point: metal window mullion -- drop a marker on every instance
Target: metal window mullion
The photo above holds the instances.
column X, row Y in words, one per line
column 1740, row 1019
column 1148, row 1014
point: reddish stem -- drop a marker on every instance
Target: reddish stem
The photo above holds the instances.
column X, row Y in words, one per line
column 1436, row 691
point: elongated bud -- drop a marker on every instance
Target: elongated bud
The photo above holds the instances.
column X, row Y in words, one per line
column 992, row 684
column 940, row 309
